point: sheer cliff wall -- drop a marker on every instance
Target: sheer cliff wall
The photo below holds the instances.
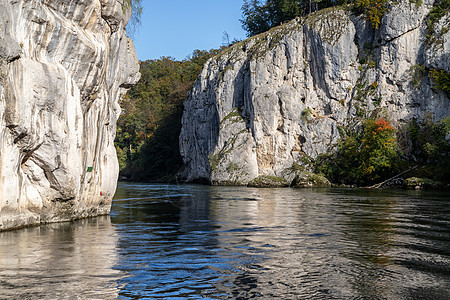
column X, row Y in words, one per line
column 63, row 66
column 273, row 100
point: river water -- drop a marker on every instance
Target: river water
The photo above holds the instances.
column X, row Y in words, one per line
column 194, row 242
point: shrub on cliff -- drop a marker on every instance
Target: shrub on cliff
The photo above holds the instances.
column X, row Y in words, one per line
column 441, row 80
column 364, row 156
column 374, row 10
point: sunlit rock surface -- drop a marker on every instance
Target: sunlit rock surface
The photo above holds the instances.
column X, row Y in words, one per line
column 63, row 66
column 268, row 103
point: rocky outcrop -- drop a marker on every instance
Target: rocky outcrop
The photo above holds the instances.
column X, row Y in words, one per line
column 265, row 181
column 63, row 66
column 307, row 179
column 415, row 183
column 277, row 99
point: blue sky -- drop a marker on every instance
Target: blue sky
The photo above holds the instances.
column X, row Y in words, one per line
column 177, row 27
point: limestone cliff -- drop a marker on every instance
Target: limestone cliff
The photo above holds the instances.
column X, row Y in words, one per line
column 63, row 66
column 266, row 103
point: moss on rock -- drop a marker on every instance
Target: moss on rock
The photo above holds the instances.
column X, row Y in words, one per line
column 416, row 183
column 268, row 182
column 308, row 179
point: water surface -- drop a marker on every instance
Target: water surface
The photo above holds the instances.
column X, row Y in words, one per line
column 193, row 242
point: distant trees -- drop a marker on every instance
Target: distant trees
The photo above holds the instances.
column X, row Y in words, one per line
column 148, row 129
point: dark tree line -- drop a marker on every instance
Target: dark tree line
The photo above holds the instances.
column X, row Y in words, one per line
column 150, row 123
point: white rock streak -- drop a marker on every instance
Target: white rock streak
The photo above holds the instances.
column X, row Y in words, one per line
column 63, row 66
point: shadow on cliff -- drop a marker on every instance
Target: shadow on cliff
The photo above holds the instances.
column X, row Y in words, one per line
column 242, row 98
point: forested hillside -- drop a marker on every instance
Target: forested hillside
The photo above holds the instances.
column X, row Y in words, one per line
column 150, row 123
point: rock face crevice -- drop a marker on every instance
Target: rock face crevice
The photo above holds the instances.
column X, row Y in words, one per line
column 264, row 105
column 63, row 66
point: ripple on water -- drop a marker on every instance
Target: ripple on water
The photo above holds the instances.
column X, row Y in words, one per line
column 192, row 242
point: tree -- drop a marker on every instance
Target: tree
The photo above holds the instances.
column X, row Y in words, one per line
column 260, row 16
column 256, row 17
column 148, row 129
column 136, row 14
column 373, row 9
column 364, row 155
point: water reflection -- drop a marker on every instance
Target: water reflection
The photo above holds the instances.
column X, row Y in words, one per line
column 239, row 243
column 284, row 247
column 60, row 261
column 191, row 242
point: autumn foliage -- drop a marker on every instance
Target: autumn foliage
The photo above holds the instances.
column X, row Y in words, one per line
column 374, row 10
column 365, row 155
column 378, row 149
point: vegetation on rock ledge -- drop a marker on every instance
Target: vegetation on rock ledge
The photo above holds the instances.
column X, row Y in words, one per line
column 377, row 151
column 364, row 155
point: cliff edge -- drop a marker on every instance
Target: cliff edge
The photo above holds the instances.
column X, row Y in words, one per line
column 63, row 66
column 264, row 105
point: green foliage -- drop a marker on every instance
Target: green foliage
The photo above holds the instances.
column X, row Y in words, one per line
column 441, row 80
column 424, row 142
column 374, row 10
column 136, row 13
column 418, row 3
column 364, row 155
column 418, row 73
column 234, row 116
column 306, row 113
column 260, row 16
column 440, row 9
column 150, row 123
column 428, row 139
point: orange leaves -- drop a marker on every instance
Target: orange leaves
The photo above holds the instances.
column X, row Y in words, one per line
column 382, row 125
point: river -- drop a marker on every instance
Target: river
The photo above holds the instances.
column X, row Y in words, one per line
column 196, row 242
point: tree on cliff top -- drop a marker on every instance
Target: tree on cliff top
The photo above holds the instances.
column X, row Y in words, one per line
column 259, row 16
column 136, row 14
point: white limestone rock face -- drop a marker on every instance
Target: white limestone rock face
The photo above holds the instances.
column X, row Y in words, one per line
column 63, row 66
column 268, row 103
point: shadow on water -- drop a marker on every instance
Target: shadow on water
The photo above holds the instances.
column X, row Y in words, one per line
column 191, row 242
